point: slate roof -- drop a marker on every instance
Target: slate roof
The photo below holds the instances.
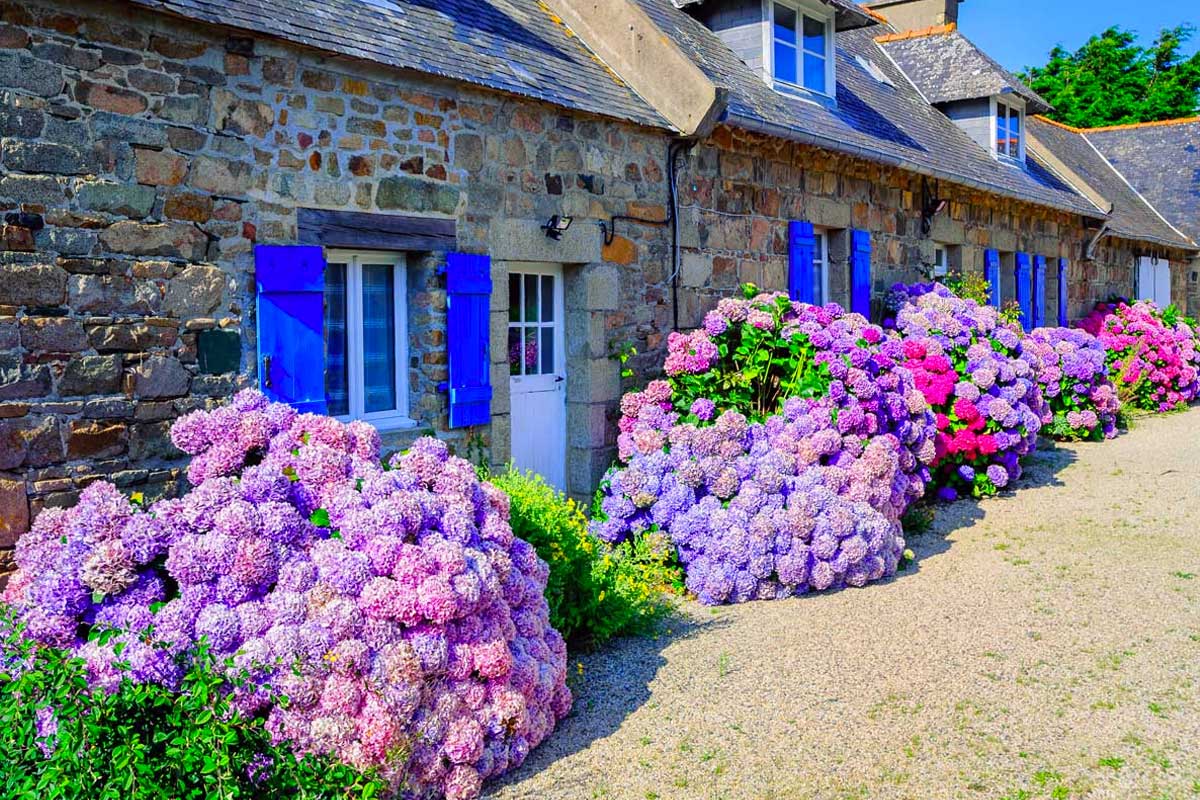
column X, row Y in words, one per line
column 515, row 46
column 947, row 66
column 1132, row 217
column 1162, row 161
column 849, row 13
column 886, row 122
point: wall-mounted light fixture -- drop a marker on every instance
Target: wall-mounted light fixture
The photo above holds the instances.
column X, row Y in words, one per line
column 555, row 226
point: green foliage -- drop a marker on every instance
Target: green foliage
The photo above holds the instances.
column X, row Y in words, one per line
column 758, row 368
column 969, row 286
column 1111, row 80
column 595, row 591
column 144, row 742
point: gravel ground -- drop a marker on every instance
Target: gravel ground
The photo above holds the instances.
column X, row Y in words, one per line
column 1045, row 645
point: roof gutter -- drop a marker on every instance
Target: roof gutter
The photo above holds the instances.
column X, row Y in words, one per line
column 871, row 154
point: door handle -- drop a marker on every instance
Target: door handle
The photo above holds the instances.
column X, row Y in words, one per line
column 267, row 371
column 559, row 379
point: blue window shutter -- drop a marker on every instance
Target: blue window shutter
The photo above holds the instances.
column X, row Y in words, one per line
column 801, row 246
column 991, row 271
column 290, row 313
column 1039, row 291
column 468, row 300
column 1062, row 292
column 860, row 273
column 1024, row 283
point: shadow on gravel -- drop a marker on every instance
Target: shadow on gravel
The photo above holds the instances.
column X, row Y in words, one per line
column 615, row 682
column 1041, row 469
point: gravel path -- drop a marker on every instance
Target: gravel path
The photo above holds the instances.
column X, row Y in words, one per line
column 1046, row 645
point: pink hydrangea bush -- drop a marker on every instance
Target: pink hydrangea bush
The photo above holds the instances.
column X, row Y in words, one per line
column 1152, row 353
column 392, row 607
column 1074, row 379
column 980, row 379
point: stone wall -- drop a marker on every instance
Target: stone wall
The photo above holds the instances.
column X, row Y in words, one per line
column 740, row 190
column 142, row 158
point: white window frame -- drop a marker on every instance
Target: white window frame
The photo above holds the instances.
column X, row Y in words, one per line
column 817, row 12
column 1010, row 103
column 355, row 379
column 941, row 266
column 821, row 262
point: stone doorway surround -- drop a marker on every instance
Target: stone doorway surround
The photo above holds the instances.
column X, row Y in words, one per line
column 591, row 289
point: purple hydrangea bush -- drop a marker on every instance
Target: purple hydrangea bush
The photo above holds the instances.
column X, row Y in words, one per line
column 1074, row 380
column 391, row 606
column 981, row 380
column 777, row 456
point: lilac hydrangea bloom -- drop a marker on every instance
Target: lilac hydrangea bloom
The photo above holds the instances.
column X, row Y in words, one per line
column 414, row 616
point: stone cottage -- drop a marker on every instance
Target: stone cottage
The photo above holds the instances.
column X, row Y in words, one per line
column 452, row 218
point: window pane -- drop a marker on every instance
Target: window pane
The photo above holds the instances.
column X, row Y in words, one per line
column 531, row 351
column 547, row 298
column 814, row 73
column 531, row 298
column 514, row 351
column 814, row 35
column 514, row 298
column 785, row 24
column 337, row 395
column 379, row 337
column 547, row 351
column 785, row 63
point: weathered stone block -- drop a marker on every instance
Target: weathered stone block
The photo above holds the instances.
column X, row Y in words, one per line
column 25, row 123
column 111, row 98
column 159, row 168
column 52, row 335
column 108, row 408
column 415, row 194
column 44, row 157
column 189, row 207
column 33, row 284
column 86, row 375
column 171, row 239
column 106, row 125
column 107, row 294
column 116, row 198
column 94, row 439
column 152, row 440
column 161, row 376
column 43, row 442
column 20, row 381
column 14, row 511
column 67, row 241
column 129, row 337
column 241, row 116
column 220, row 176
column 41, row 190
column 23, row 71
column 194, row 292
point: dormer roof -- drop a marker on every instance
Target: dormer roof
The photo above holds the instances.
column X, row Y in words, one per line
column 848, row 15
column 947, row 66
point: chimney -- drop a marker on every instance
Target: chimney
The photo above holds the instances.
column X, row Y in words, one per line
column 913, row 15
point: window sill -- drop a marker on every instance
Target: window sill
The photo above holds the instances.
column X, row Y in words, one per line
column 385, row 424
column 803, row 93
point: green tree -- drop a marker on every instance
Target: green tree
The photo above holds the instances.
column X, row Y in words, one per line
column 1112, row 80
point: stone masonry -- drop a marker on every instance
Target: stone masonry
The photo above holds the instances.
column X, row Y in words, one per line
column 142, row 157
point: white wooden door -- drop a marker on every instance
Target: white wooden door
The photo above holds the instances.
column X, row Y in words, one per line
column 537, row 366
column 1154, row 281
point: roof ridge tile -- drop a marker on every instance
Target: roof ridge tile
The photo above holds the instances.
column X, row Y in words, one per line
column 920, row 33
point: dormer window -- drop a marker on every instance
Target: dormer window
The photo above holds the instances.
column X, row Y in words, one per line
column 1010, row 128
column 801, row 46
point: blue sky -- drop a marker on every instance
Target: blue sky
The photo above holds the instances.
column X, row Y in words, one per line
column 1018, row 33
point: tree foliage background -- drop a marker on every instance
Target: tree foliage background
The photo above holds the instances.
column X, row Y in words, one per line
column 1112, row 80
